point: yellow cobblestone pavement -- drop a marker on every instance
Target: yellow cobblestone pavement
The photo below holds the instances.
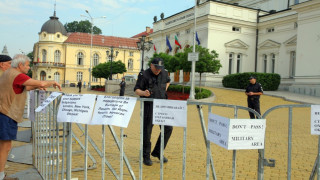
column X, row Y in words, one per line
column 304, row 145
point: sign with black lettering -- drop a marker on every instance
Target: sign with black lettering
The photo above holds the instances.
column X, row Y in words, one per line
column 76, row 108
column 113, row 110
column 234, row 134
column 52, row 97
column 170, row 112
column 315, row 119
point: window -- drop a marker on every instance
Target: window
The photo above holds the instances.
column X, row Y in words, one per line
column 57, row 77
column 237, row 29
column 130, row 64
column 295, row 26
column 239, row 56
column 58, row 35
column 178, row 34
column 57, row 55
column 44, row 55
column 79, row 76
column 230, row 63
column 273, row 62
column 94, row 79
column 292, row 64
column 131, row 53
column 265, row 60
column 80, row 58
column 269, row 30
column 95, row 59
column 296, row 1
column 188, row 31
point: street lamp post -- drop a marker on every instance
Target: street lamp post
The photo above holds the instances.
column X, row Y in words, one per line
column 90, row 68
column 143, row 45
column 111, row 56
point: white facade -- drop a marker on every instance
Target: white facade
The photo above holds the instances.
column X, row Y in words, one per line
column 286, row 44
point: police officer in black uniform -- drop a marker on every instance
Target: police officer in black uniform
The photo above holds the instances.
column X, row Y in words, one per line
column 253, row 91
column 122, row 86
column 153, row 83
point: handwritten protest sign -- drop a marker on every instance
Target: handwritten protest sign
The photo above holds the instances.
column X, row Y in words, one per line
column 52, row 97
column 31, row 106
column 315, row 119
column 235, row 134
column 42, row 97
column 170, row 112
column 76, row 108
column 113, row 110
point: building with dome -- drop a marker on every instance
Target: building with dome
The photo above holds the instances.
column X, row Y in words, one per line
column 65, row 57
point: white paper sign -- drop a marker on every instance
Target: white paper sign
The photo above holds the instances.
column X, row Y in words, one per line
column 170, row 112
column 113, row 110
column 31, row 106
column 42, row 98
column 52, row 97
column 76, row 108
column 234, row 134
column 315, row 119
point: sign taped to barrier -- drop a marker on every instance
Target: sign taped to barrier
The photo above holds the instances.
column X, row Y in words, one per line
column 315, row 119
column 32, row 106
column 170, row 112
column 52, row 97
column 233, row 134
column 76, row 108
column 113, row 110
column 42, row 98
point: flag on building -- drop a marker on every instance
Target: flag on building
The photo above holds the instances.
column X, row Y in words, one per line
column 154, row 47
column 197, row 39
column 176, row 41
column 168, row 44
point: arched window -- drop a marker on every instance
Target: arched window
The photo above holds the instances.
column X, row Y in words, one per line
column 130, row 64
column 230, row 63
column 80, row 58
column 239, row 59
column 44, row 55
column 57, row 77
column 43, row 76
column 273, row 63
column 95, row 59
column 57, row 55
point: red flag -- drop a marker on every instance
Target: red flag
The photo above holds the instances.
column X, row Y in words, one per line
column 176, row 41
column 154, row 47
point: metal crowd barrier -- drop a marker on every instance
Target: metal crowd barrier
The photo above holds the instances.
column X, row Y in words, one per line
column 51, row 159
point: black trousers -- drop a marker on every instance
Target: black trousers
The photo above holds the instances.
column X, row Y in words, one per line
column 147, row 130
column 254, row 103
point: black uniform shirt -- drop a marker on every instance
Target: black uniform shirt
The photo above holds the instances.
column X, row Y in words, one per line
column 254, row 88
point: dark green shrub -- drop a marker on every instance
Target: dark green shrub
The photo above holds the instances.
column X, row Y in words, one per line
column 269, row 81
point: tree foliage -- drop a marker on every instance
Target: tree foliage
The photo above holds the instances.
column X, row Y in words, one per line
column 82, row 26
column 30, row 55
column 102, row 70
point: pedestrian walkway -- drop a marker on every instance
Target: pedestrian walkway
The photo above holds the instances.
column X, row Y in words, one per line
column 304, row 144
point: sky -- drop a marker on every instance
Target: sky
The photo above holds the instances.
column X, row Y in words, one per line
column 21, row 20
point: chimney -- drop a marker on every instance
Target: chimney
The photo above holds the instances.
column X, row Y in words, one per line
column 148, row 29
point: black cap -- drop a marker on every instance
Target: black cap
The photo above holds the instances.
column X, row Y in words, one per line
column 157, row 62
column 5, row 58
column 252, row 77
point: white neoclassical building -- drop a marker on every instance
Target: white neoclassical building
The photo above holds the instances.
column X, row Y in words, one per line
column 273, row 36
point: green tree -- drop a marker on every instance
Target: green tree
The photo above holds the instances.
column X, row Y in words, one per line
column 82, row 26
column 208, row 61
column 30, row 55
column 102, row 70
column 118, row 67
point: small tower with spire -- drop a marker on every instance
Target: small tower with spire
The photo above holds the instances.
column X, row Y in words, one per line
column 5, row 51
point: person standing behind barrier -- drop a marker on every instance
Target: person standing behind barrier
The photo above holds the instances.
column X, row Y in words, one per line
column 13, row 86
column 79, row 86
column 153, row 83
column 5, row 63
column 122, row 86
column 253, row 92
column 84, row 84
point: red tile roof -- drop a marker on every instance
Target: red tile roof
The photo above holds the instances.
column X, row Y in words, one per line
column 100, row 40
column 143, row 33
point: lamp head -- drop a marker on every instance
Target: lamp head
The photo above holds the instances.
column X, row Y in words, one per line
column 143, row 37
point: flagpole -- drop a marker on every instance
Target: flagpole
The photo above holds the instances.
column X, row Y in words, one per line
column 193, row 65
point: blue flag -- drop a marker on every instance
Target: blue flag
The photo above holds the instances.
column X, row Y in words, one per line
column 168, row 44
column 197, row 39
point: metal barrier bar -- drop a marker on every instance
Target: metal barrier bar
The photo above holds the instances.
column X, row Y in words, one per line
column 141, row 138
column 86, row 153
column 234, row 152
column 184, row 157
column 318, row 160
column 103, row 152
column 121, row 154
column 161, row 151
column 289, row 143
column 69, row 151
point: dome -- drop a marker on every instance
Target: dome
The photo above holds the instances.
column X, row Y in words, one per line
column 53, row 26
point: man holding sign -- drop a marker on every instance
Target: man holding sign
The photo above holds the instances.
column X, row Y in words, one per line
column 153, row 83
column 13, row 86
